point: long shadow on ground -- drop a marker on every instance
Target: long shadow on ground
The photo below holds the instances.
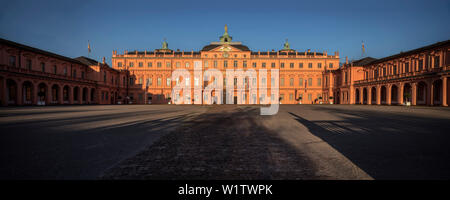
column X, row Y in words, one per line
column 387, row 146
column 221, row 144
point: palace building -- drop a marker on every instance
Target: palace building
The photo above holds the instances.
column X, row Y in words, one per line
column 415, row 77
column 300, row 73
column 30, row 76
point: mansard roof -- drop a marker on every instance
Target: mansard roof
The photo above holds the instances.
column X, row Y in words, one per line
column 414, row 51
column 363, row 61
column 86, row 60
column 237, row 46
column 38, row 51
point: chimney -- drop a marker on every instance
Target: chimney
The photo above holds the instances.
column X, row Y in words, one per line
column 103, row 60
column 346, row 60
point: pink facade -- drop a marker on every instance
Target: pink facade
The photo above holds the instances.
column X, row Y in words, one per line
column 30, row 76
column 416, row 77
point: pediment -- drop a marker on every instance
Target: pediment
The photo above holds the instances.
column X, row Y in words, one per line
column 225, row 48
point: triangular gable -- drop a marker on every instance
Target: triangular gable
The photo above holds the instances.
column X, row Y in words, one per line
column 227, row 48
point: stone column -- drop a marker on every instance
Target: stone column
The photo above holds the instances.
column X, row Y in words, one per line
column 19, row 96
column 4, row 92
column 88, row 96
column 361, row 97
column 70, row 91
column 444, row 91
column 378, row 95
column 414, row 94
column 369, row 95
column 60, row 94
column 388, row 94
column 35, row 97
column 431, row 93
column 48, row 95
column 400, row 94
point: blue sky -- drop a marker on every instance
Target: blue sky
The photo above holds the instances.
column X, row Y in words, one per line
column 386, row 27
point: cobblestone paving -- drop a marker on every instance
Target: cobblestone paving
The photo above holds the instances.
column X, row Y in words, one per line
column 224, row 143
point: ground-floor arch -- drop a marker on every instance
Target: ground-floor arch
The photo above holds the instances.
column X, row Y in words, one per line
column 421, row 93
column 394, row 94
column 437, row 92
column 27, row 93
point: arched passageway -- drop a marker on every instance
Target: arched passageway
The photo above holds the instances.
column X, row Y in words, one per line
column 437, row 92
column 357, row 96
column 55, row 94
column 27, row 93
column 42, row 94
column 373, row 94
column 365, row 96
column 11, row 92
column 383, row 95
column 421, row 93
column 394, row 94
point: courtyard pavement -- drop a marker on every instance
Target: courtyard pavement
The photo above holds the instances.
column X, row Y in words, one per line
column 224, row 142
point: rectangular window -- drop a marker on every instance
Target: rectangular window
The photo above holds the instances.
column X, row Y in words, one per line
column 149, row 64
column 188, row 81
column 263, row 82
column 168, row 81
column 406, row 67
column 331, row 65
column 215, row 64
column 273, row 65
column 309, row 81
column 300, row 65
column 291, row 65
column 310, row 65
column 272, row 81
column 437, row 62
column 43, row 67
column 310, row 97
column 119, row 64
column 254, row 65
column 394, row 69
column 300, row 82
column 319, row 82
column 168, row 64
column 140, row 81
column 319, row 65
column 158, row 64
column 282, row 82
column 291, row 96
column 244, row 64
column 141, row 64
column 206, row 64
column 159, row 81
column 150, row 81
column 29, row 64
column 282, row 65
column 263, row 65
column 12, row 61
column 65, row 71
column 196, row 81
column 420, row 65
column 131, row 64
column 187, row 64
column 291, row 82
column 74, row 73
column 225, row 64
column 235, row 63
column 54, row 69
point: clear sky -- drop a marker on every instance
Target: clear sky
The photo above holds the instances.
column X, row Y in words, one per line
column 386, row 27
